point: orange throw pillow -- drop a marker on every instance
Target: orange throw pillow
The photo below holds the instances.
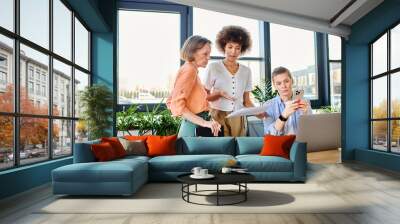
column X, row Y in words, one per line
column 277, row 145
column 161, row 145
column 103, row 152
column 116, row 145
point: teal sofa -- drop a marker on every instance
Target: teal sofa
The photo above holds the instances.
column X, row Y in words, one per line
column 125, row 176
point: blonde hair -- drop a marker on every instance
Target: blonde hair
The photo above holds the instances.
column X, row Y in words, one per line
column 280, row 70
column 191, row 45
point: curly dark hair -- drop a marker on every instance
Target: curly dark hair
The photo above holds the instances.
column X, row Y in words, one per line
column 234, row 34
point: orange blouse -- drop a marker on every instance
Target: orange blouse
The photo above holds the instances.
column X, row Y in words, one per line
column 188, row 92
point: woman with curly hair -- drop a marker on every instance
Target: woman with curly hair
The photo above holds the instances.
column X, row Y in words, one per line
column 228, row 82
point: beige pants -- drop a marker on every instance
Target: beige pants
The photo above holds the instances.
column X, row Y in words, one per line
column 232, row 126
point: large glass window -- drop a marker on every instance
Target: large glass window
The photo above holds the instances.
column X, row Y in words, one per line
column 62, row 29
column 335, row 69
column 39, row 61
column 62, row 89
column 7, row 14
column 81, row 45
column 301, row 62
column 81, row 82
column 208, row 23
column 35, row 21
column 395, row 47
column 6, row 142
column 62, row 137
column 147, row 62
column 6, row 75
column 42, row 135
column 385, row 97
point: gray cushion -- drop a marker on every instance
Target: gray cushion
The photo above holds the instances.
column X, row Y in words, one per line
column 134, row 147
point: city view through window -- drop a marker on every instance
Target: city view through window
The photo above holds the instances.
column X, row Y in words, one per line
column 35, row 119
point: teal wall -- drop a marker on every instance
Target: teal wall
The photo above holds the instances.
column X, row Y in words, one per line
column 355, row 96
column 99, row 15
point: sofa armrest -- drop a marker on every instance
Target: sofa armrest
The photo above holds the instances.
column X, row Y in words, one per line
column 83, row 152
column 298, row 155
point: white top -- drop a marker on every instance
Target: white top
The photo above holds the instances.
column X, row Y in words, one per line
column 218, row 77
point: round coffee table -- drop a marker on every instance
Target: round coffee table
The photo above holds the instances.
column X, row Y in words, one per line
column 238, row 179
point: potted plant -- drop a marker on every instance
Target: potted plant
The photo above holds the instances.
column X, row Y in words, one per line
column 96, row 103
column 158, row 121
column 264, row 91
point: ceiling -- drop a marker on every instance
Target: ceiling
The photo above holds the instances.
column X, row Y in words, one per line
column 328, row 16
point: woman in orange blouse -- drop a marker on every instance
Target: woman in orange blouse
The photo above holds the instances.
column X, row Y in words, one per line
column 188, row 98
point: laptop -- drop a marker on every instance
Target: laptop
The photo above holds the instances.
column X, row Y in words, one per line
column 320, row 131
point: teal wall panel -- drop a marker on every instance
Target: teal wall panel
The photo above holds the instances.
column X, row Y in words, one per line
column 24, row 178
column 355, row 143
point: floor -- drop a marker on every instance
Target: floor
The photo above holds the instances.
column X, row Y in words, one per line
column 378, row 189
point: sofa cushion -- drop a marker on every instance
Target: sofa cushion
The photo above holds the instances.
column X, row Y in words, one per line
column 103, row 152
column 161, row 145
column 134, row 147
column 116, row 145
column 277, row 145
column 257, row 163
column 249, row 145
column 206, row 145
column 185, row 163
column 112, row 171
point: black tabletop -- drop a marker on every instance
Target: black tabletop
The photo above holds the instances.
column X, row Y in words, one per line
column 220, row 178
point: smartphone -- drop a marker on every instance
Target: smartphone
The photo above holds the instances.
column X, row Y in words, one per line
column 298, row 94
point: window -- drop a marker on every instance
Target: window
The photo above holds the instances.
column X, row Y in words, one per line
column 301, row 62
column 81, row 45
column 44, row 132
column 3, row 61
column 81, row 82
column 30, row 71
column 6, row 142
column 40, row 62
column 3, row 78
column 6, row 73
column 139, row 80
column 62, row 29
column 335, row 69
column 208, row 23
column 7, row 14
column 62, row 72
column 385, row 97
column 34, row 21
column 62, row 137
column 30, row 87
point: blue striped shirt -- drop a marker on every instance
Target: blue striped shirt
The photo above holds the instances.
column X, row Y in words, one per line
column 274, row 108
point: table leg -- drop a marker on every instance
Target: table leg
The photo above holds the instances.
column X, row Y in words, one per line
column 245, row 191
column 217, row 194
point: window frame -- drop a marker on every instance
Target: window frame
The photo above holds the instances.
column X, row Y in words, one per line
column 388, row 74
column 16, row 114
